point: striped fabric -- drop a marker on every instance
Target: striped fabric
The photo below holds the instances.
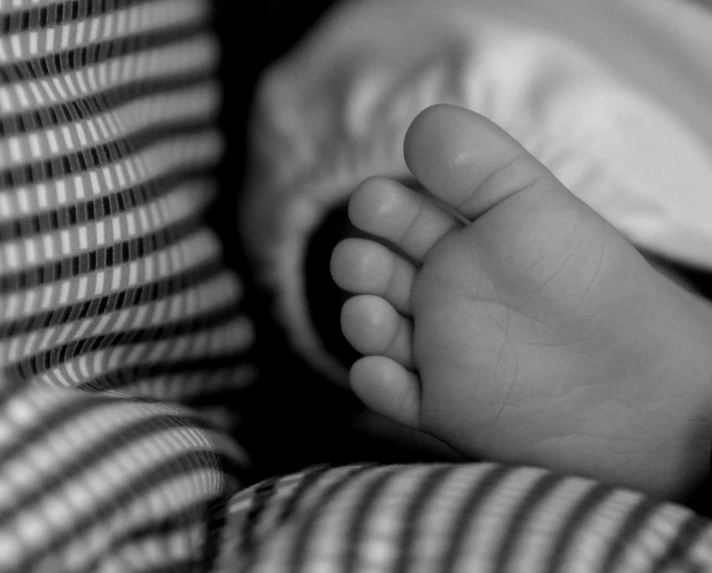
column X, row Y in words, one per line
column 116, row 312
column 121, row 334
column 469, row 518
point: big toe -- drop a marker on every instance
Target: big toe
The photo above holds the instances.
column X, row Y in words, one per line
column 528, row 231
column 469, row 162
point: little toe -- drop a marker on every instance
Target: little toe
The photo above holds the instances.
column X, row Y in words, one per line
column 387, row 388
column 361, row 266
column 407, row 219
column 469, row 162
column 374, row 327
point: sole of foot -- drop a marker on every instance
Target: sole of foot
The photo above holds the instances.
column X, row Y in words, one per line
column 502, row 315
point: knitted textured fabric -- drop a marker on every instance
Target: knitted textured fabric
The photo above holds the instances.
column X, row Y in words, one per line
column 116, row 313
column 613, row 96
column 454, row 518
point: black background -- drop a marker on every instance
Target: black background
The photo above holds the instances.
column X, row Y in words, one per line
column 294, row 418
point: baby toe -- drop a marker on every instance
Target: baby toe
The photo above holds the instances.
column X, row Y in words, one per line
column 387, row 388
column 361, row 266
column 401, row 216
column 374, row 327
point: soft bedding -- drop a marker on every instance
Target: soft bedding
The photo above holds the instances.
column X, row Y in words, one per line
column 123, row 338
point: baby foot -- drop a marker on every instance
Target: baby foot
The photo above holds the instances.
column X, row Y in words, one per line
column 508, row 319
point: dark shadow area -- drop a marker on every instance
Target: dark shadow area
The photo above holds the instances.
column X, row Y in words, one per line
column 324, row 298
column 293, row 416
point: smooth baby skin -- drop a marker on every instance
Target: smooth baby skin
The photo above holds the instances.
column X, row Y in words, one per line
column 520, row 326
